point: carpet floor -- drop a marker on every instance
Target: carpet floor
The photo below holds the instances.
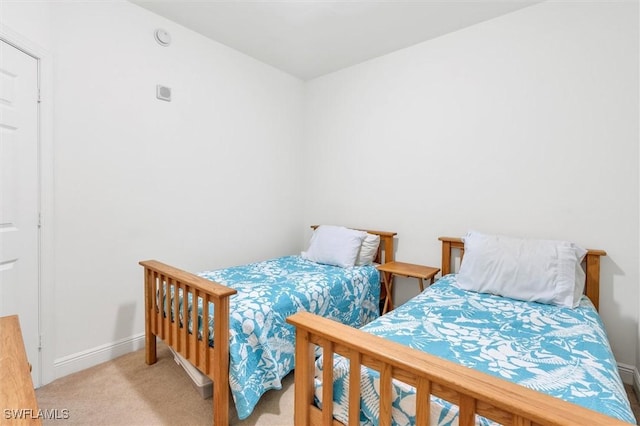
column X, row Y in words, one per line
column 126, row 391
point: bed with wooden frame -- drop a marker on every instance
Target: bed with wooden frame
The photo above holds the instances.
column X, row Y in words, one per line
column 472, row 391
column 161, row 281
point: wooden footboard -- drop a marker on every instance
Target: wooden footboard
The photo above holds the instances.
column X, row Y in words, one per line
column 476, row 393
column 161, row 281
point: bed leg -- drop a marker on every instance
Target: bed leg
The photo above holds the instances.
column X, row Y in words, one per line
column 221, row 366
column 303, row 378
column 150, row 349
column 150, row 338
column 221, row 410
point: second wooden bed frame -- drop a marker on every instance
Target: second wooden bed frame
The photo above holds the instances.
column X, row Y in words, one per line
column 162, row 280
column 474, row 392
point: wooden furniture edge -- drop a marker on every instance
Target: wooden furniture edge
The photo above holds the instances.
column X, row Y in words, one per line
column 591, row 260
column 197, row 282
column 473, row 390
column 17, row 395
column 390, row 270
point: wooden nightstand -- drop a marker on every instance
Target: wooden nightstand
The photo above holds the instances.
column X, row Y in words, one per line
column 402, row 269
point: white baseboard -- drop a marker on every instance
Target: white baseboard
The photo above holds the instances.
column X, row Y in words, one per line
column 636, row 381
column 85, row 359
column 627, row 373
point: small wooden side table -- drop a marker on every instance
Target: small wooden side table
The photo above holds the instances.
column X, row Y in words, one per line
column 402, row 269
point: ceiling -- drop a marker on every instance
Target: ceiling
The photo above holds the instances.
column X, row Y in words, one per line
column 308, row 38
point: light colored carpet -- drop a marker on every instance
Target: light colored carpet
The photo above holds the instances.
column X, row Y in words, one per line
column 126, row 391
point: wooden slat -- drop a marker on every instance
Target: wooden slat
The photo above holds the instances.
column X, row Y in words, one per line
column 205, row 334
column 154, row 301
column 354, row 389
column 202, row 330
column 169, row 307
column 423, row 402
column 162, row 303
column 176, row 317
column 327, row 379
column 193, row 337
column 185, row 317
column 385, row 394
column 467, row 413
column 158, row 311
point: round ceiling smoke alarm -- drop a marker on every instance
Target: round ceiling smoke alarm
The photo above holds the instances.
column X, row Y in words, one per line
column 163, row 37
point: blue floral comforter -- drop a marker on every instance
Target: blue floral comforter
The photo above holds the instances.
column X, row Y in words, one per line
column 262, row 344
column 559, row 351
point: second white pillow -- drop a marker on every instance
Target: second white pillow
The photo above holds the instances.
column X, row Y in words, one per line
column 368, row 250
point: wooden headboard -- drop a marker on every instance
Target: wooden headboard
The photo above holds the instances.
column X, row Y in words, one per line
column 385, row 249
column 592, row 266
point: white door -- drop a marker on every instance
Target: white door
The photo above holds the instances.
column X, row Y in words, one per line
column 19, row 195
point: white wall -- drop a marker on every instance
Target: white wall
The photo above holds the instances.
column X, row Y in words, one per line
column 203, row 181
column 32, row 19
column 207, row 180
column 524, row 125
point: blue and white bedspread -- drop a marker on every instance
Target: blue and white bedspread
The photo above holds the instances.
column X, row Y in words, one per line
column 262, row 344
column 562, row 352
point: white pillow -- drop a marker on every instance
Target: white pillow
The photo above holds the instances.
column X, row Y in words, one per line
column 334, row 245
column 545, row 271
column 368, row 250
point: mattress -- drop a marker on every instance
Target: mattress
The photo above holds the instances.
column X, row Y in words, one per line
column 558, row 351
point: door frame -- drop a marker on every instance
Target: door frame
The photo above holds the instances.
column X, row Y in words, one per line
column 46, row 284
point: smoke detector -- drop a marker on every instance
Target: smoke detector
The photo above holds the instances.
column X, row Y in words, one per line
column 162, row 37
